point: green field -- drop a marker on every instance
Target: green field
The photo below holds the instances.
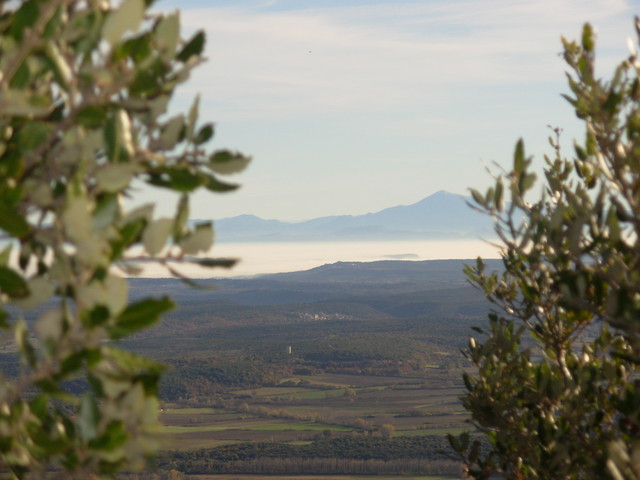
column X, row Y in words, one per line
column 347, row 403
column 256, row 428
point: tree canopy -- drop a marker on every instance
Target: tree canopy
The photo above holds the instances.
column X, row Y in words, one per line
column 556, row 389
column 84, row 91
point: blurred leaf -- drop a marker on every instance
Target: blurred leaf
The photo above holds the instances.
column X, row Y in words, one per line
column 192, row 118
column 33, row 135
column 477, row 197
column 498, row 199
column 41, row 290
column 149, row 80
column 193, row 47
column 200, row 240
column 114, row 177
column 130, row 233
column 204, row 134
column 88, row 418
column 140, row 315
column 519, row 160
column 527, row 181
column 226, row 162
column 21, row 78
column 455, row 443
column 13, row 284
column 106, row 213
column 98, row 315
column 172, row 132
column 5, row 255
column 25, row 348
column 124, row 133
column 91, row 116
column 113, row 437
column 117, row 289
column 168, row 33
column 156, row 234
column 178, row 179
column 126, row 18
column 62, row 68
column 587, row 37
column 215, row 185
column 39, row 405
column 76, row 219
column 138, row 47
column 133, row 363
column 21, row 104
column 12, row 222
column 71, row 363
column 24, row 17
column 181, row 218
column 215, row 262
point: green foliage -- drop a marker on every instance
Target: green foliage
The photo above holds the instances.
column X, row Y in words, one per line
column 201, row 377
column 84, row 89
column 556, row 390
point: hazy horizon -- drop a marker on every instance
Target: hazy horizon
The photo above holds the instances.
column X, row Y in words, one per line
column 266, row 258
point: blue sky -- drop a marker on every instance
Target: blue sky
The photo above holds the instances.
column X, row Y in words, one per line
column 352, row 106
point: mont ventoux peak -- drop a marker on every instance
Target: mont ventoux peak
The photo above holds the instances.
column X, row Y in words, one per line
column 440, row 216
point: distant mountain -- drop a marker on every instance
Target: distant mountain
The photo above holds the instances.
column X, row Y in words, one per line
column 442, row 215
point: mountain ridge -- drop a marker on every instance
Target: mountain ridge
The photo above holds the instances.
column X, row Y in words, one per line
column 442, row 215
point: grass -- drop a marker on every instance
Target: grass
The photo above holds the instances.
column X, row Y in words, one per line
column 320, row 394
column 178, row 429
column 191, row 411
column 273, row 391
column 342, row 380
column 433, row 431
column 304, row 427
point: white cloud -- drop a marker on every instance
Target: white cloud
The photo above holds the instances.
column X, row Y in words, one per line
column 383, row 57
column 403, row 98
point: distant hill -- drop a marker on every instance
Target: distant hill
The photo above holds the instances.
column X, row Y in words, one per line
column 384, row 273
column 341, row 281
column 362, row 297
column 442, row 215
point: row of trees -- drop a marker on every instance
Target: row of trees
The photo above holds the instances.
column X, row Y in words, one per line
column 348, row 453
column 328, row 466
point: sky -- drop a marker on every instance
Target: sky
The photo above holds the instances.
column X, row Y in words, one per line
column 352, row 106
